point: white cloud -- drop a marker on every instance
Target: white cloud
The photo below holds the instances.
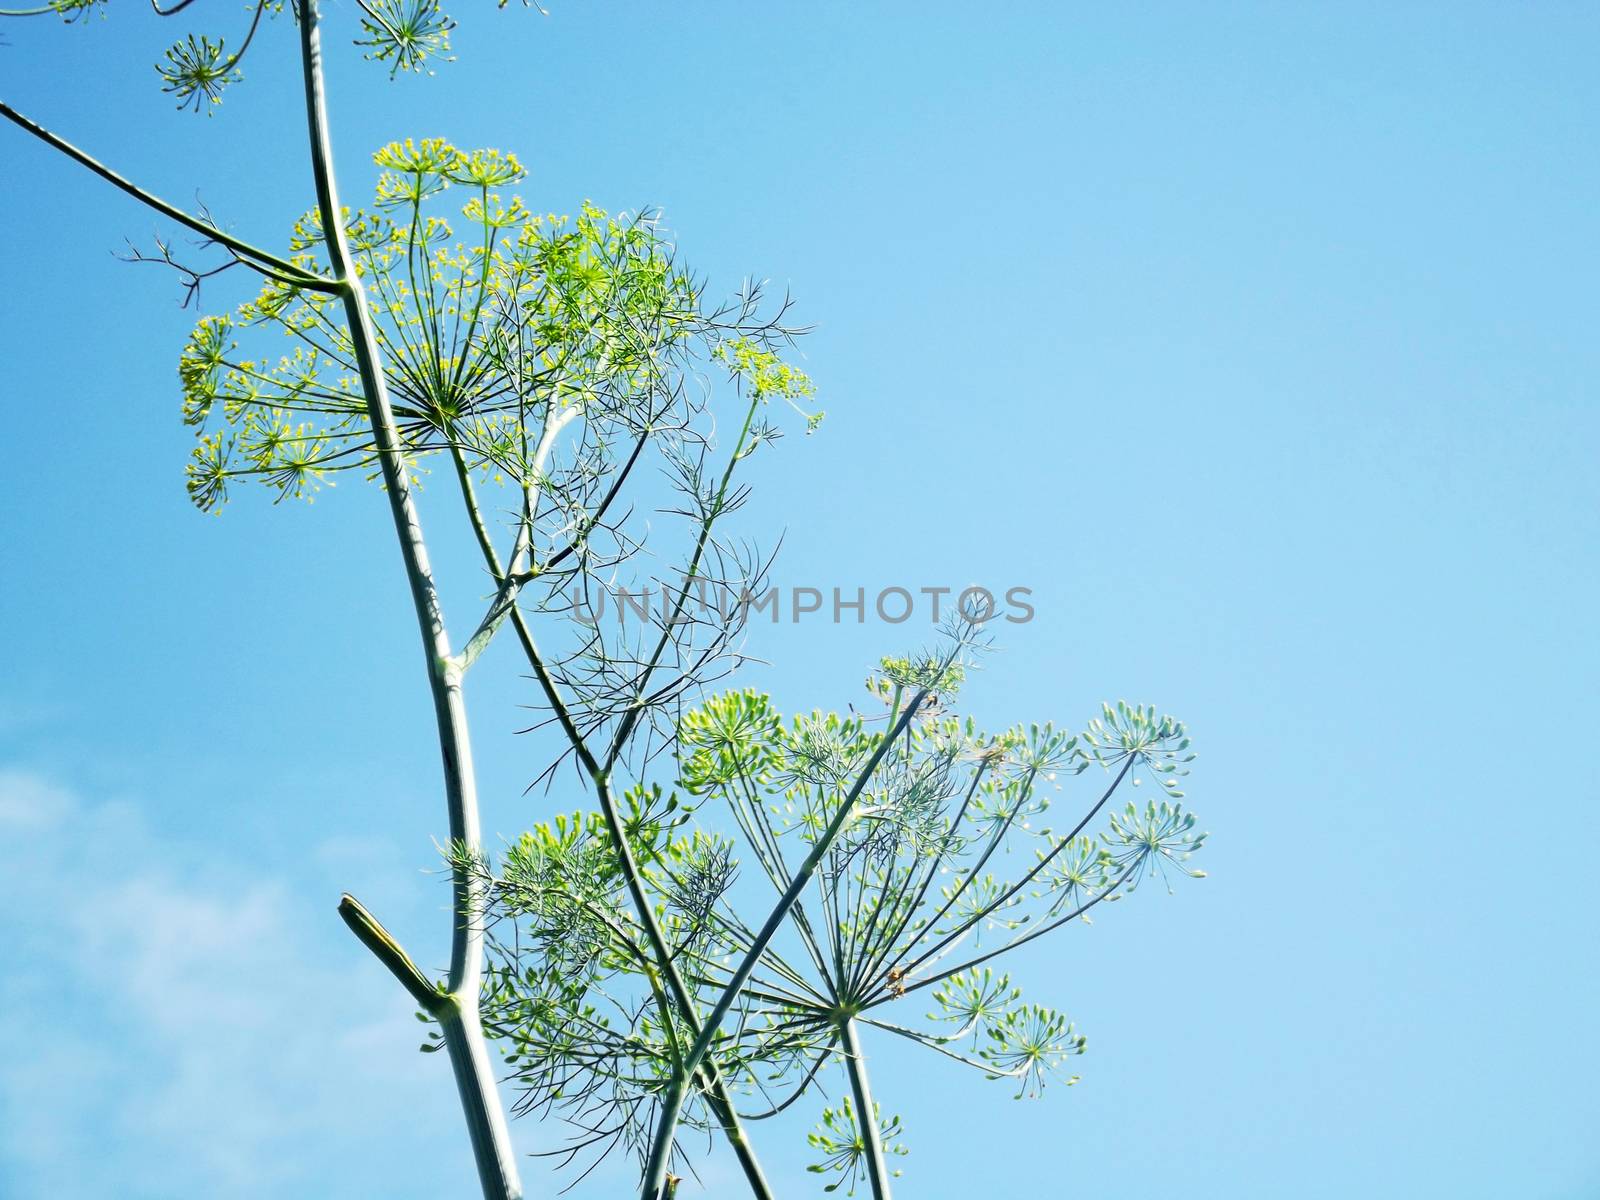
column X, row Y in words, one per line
column 183, row 1024
column 29, row 801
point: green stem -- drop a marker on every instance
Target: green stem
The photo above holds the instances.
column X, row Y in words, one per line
column 391, row 954
column 672, row 1102
column 463, row 1033
column 1107, row 893
column 624, row 730
column 866, row 1111
column 717, row 1093
column 993, row 905
column 280, row 268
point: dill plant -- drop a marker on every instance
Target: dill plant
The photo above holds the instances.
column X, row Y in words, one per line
column 738, row 895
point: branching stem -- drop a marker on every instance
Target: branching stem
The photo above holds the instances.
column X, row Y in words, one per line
column 717, row 1094
column 672, row 1102
column 251, row 255
column 391, row 954
column 463, row 1033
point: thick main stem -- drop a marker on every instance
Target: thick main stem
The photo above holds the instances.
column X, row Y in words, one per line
column 463, row 1033
column 866, row 1111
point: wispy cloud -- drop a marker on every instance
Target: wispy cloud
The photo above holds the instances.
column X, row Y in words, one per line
column 29, row 801
column 181, row 1023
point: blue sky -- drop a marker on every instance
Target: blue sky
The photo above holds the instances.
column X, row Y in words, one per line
column 1257, row 340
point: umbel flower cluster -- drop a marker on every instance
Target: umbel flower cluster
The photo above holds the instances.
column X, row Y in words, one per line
column 955, row 853
column 492, row 342
column 404, row 35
